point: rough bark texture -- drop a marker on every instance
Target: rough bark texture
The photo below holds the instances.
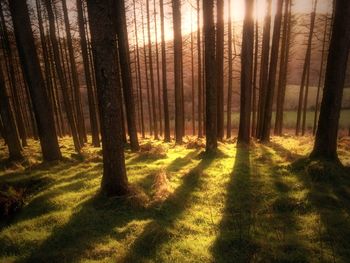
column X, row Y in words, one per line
column 103, row 40
column 246, row 74
column 210, row 76
column 327, row 131
column 31, row 68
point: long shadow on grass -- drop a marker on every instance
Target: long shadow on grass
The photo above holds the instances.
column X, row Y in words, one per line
column 234, row 242
column 99, row 218
column 159, row 231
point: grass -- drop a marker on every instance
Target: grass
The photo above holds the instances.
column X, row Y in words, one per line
column 244, row 205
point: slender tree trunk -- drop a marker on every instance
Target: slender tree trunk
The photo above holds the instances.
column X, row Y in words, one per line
column 89, row 85
column 164, row 76
column 199, row 75
column 210, row 76
column 31, row 68
column 61, row 77
column 321, row 73
column 264, row 70
column 230, row 69
column 10, row 128
column 103, row 38
column 192, row 84
column 266, row 124
column 139, row 73
column 12, row 77
column 327, row 131
column 150, row 59
column 255, row 76
column 179, row 107
column 246, row 74
column 303, row 127
column 305, row 69
column 220, row 67
column 124, row 58
column 75, row 79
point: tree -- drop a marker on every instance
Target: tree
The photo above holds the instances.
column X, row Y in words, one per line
column 164, row 76
column 199, row 74
column 31, row 67
column 89, row 82
column 246, row 74
column 220, row 68
column 325, row 146
column 230, row 68
column 270, row 91
column 7, row 117
column 124, row 58
column 59, row 66
column 210, row 76
column 103, row 40
column 179, row 107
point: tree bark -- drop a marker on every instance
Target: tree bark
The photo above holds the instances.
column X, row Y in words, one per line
column 246, row 74
column 31, row 68
column 199, row 75
column 327, row 131
column 220, row 68
column 103, row 39
column 210, row 76
column 230, row 68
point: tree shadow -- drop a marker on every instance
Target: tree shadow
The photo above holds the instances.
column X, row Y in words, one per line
column 234, row 241
column 158, row 231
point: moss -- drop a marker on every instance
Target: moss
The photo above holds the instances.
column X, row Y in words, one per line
column 253, row 204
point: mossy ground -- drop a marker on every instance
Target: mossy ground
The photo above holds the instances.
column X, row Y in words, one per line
column 243, row 205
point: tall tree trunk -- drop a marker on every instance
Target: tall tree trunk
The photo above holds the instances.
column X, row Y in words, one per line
column 210, row 76
column 179, row 107
column 220, row 68
column 199, row 75
column 264, row 69
column 192, row 84
column 103, row 38
column 306, row 96
column 164, row 76
column 124, row 58
column 230, row 68
column 305, row 68
column 31, row 68
column 321, row 74
column 255, row 76
column 150, row 59
column 246, row 74
column 61, row 77
column 89, row 85
column 75, row 79
column 12, row 77
column 270, row 91
column 282, row 81
column 139, row 73
column 327, row 131
column 10, row 128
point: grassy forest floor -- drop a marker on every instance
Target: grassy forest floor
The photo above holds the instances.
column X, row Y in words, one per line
column 243, row 205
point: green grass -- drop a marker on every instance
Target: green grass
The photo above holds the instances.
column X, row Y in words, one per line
column 244, row 205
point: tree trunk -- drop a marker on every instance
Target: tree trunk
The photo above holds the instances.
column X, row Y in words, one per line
column 210, row 76
column 89, row 85
column 179, row 107
column 103, row 38
column 255, row 76
column 270, row 91
column 192, row 84
column 61, row 77
column 7, row 116
column 327, row 131
column 124, row 58
column 199, row 75
column 150, row 59
column 246, row 74
column 31, row 68
column 230, row 68
column 220, row 68
column 164, row 76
